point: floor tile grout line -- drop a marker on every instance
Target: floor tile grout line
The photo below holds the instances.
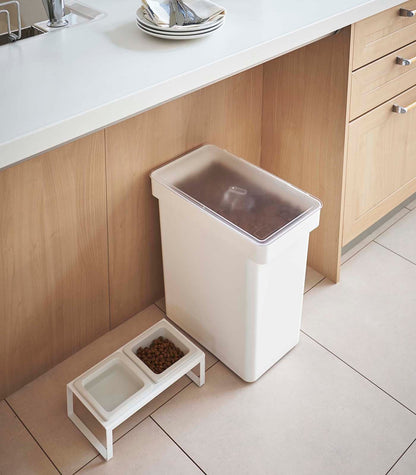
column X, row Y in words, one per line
column 358, row 372
column 148, row 416
column 314, row 285
column 378, row 235
column 159, row 407
column 136, row 425
column 190, row 382
column 391, row 468
column 31, row 435
column 89, row 461
column 174, row 441
column 399, row 255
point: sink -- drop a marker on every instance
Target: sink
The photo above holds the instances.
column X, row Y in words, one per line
column 27, row 32
column 35, row 20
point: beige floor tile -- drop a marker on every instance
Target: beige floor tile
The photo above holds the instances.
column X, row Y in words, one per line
column 19, row 453
column 407, row 464
column 312, row 278
column 373, row 235
column 309, row 414
column 144, row 450
column 42, row 404
column 369, row 319
column 401, row 238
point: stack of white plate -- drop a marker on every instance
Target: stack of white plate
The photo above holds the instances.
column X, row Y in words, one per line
column 186, row 32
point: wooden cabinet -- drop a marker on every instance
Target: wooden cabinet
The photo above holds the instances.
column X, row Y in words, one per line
column 381, row 164
column 53, row 259
column 381, row 149
column 304, row 118
column 380, row 34
column 383, row 79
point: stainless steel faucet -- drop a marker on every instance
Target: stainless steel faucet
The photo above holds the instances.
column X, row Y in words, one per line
column 56, row 11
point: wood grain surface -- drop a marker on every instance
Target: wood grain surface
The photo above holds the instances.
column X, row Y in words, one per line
column 383, row 33
column 381, row 80
column 381, row 165
column 305, row 97
column 53, row 259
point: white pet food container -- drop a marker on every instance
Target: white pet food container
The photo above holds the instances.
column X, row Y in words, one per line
column 234, row 243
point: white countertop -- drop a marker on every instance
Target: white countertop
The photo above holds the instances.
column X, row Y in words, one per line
column 65, row 84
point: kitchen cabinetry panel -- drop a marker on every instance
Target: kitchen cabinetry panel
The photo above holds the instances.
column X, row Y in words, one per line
column 304, row 122
column 53, row 259
column 381, row 34
column 382, row 80
column 381, row 164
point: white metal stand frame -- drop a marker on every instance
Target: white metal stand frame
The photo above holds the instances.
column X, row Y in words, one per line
column 109, row 425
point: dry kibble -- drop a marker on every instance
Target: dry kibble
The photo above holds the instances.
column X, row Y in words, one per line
column 160, row 354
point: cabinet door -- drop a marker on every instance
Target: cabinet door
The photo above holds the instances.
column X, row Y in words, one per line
column 381, row 164
column 53, row 259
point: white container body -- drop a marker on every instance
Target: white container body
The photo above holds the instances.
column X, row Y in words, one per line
column 239, row 298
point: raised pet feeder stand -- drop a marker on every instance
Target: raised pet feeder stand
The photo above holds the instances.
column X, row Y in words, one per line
column 121, row 384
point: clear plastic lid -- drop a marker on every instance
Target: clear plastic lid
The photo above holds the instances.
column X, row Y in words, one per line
column 248, row 198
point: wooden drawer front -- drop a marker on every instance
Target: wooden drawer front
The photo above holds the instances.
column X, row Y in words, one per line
column 381, row 164
column 383, row 33
column 382, row 80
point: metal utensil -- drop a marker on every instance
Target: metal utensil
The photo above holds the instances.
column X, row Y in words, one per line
column 180, row 14
column 174, row 15
column 191, row 18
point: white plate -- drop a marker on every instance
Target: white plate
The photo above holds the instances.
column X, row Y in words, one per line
column 202, row 26
column 176, row 36
column 171, row 37
column 176, row 32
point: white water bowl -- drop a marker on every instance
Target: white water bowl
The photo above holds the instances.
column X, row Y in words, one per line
column 113, row 385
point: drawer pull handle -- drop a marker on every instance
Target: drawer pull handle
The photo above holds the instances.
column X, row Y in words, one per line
column 402, row 110
column 406, row 12
column 405, row 61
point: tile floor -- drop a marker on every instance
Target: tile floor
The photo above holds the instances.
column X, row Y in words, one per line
column 342, row 402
